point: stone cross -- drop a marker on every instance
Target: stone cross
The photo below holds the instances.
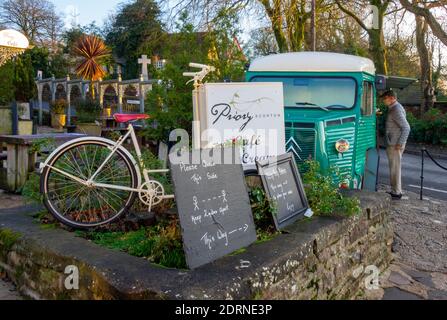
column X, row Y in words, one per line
column 144, row 61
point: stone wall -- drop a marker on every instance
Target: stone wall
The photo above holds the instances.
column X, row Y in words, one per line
column 333, row 265
column 321, row 258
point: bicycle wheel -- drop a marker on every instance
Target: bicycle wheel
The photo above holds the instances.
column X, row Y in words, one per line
column 81, row 206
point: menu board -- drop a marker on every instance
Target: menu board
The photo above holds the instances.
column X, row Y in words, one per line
column 213, row 206
column 283, row 185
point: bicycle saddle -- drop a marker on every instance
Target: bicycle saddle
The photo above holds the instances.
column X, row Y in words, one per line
column 123, row 118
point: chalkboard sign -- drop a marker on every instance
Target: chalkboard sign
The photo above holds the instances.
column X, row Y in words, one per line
column 283, row 185
column 213, row 205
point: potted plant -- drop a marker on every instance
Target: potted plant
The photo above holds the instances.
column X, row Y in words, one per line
column 87, row 114
column 107, row 111
column 58, row 116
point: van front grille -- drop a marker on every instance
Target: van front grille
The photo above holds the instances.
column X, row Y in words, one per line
column 301, row 141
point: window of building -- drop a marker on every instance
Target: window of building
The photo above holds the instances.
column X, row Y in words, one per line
column 368, row 99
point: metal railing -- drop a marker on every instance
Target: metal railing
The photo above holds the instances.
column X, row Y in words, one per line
column 423, row 152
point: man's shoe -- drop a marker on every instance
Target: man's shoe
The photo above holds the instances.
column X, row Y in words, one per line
column 395, row 196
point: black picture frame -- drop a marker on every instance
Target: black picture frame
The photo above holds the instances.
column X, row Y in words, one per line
column 281, row 219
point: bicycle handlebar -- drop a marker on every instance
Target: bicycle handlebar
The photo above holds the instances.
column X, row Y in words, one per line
column 198, row 65
column 202, row 66
column 189, row 74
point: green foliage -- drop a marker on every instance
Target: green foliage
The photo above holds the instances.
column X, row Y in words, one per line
column 7, row 83
column 24, row 75
column 31, row 189
column 58, row 106
column 170, row 100
column 224, row 52
column 161, row 244
column 8, row 238
column 71, row 36
column 43, row 145
column 151, row 162
column 50, row 64
column 87, row 111
column 430, row 128
column 136, row 29
column 17, row 80
column 263, row 213
column 323, row 193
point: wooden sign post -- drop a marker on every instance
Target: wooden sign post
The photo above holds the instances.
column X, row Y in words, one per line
column 283, row 185
column 213, row 206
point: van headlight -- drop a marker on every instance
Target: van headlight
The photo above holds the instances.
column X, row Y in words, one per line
column 342, row 146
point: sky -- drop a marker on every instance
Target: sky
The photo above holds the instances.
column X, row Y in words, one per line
column 87, row 10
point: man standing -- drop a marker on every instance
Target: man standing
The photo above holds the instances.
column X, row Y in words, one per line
column 397, row 132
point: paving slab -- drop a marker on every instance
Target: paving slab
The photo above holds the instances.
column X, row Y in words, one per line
column 398, row 294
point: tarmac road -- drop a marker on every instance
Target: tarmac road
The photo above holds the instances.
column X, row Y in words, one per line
column 435, row 183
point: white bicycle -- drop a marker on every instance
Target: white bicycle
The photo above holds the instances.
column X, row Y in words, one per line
column 93, row 181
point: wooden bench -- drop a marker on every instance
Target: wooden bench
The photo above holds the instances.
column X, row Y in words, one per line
column 21, row 158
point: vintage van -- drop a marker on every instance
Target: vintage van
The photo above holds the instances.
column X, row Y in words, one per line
column 330, row 110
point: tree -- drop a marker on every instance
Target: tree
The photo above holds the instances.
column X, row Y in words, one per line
column 170, row 100
column 225, row 51
column 50, row 63
column 7, row 83
column 289, row 19
column 136, row 29
column 425, row 57
column 53, row 30
column 262, row 42
column 36, row 19
column 92, row 51
column 291, row 22
column 24, row 85
column 377, row 46
column 424, row 19
column 425, row 12
column 17, row 80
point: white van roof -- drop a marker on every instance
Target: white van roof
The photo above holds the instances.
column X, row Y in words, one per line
column 313, row 62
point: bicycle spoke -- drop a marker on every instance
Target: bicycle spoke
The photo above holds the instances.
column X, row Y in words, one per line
column 87, row 205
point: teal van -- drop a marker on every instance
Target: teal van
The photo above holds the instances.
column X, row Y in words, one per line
column 330, row 111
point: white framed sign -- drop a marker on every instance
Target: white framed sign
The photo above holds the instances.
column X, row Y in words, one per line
column 250, row 115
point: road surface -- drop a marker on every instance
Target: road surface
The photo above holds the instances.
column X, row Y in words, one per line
column 435, row 182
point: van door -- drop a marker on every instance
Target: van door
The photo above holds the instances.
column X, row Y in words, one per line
column 366, row 140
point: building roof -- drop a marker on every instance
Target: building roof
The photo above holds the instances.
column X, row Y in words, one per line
column 313, row 62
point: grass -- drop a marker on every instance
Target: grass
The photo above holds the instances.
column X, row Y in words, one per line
column 8, row 238
column 160, row 244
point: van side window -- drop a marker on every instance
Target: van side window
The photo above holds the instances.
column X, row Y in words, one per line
column 367, row 99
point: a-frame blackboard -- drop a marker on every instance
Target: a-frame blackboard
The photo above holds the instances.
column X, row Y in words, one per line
column 283, row 185
column 213, row 206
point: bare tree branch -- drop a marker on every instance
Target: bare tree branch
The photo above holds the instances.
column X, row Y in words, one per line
column 424, row 12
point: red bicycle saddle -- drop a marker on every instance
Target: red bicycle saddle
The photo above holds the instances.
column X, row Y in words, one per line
column 123, row 118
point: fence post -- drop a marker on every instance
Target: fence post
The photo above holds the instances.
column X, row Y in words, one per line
column 15, row 118
column 422, row 173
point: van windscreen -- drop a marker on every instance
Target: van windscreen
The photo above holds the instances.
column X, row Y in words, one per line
column 316, row 92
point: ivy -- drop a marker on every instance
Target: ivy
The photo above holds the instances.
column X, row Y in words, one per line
column 323, row 192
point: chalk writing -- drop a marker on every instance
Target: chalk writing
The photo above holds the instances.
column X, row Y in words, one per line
column 214, row 209
column 283, row 185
